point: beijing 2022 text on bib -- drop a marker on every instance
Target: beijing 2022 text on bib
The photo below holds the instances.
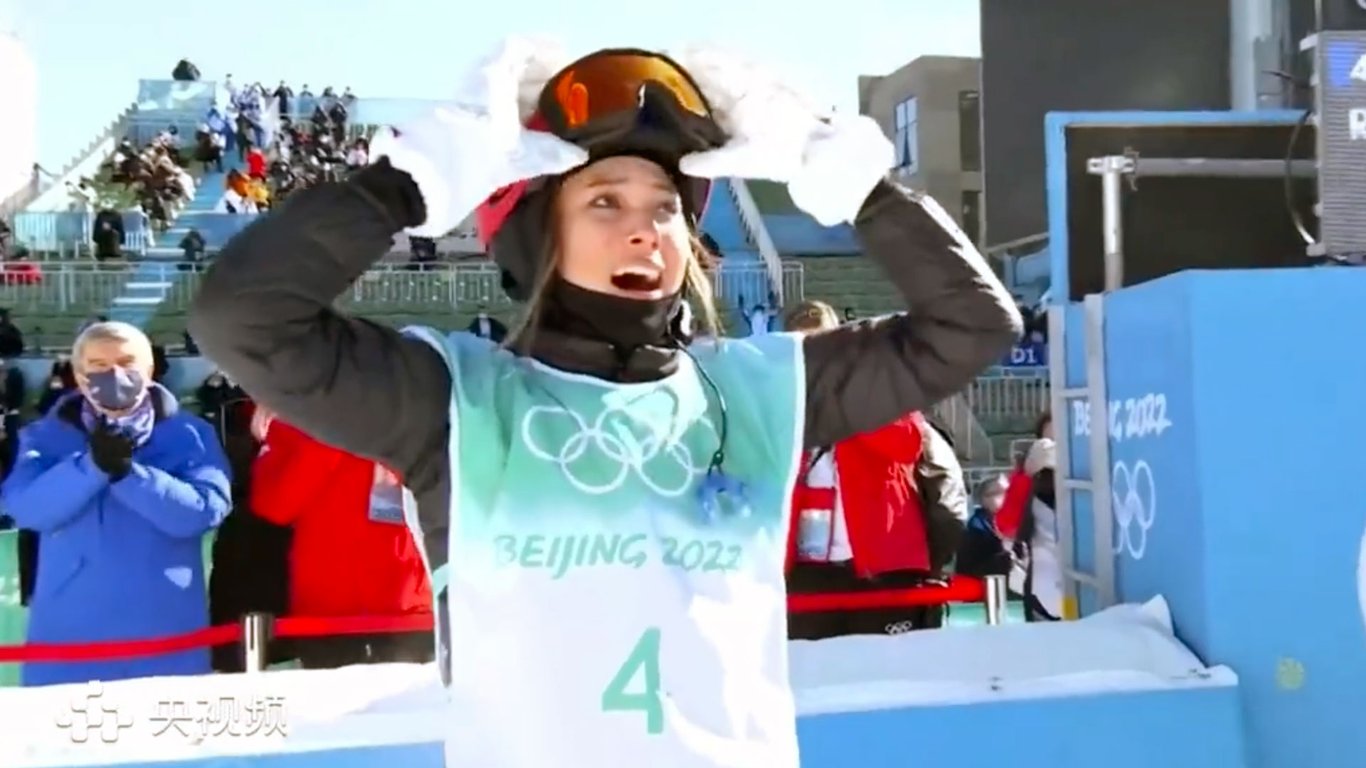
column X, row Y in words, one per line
column 598, row 616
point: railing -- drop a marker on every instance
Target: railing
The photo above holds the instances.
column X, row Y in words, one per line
column 65, row 231
column 403, row 288
column 74, row 286
column 970, row 438
column 37, row 288
column 754, row 224
column 1020, row 395
column 158, row 97
column 753, row 283
column 175, row 95
column 49, row 231
column 973, row 476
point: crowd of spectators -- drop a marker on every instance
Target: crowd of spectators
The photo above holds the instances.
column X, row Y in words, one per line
column 309, row 145
column 156, row 176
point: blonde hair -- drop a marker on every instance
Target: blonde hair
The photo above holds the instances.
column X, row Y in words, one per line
column 810, row 315
column 697, row 287
column 111, row 330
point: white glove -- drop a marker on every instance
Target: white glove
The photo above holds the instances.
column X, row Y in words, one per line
column 829, row 162
column 464, row 151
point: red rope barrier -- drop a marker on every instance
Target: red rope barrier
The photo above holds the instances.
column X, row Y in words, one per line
column 958, row 590
column 120, row 649
column 323, row 626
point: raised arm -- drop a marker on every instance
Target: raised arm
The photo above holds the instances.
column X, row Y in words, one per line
column 265, row 314
column 959, row 321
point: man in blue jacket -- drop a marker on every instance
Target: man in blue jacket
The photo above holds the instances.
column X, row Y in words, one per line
column 121, row 487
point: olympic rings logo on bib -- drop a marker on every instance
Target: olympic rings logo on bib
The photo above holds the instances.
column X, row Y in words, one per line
column 599, row 458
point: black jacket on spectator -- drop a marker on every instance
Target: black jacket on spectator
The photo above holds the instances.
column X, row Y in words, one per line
column 15, row 394
column 107, row 232
column 185, row 71
column 250, row 556
column 11, row 339
column 981, row 552
column 1043, row 487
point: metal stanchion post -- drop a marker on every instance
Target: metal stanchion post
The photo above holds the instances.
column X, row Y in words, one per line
column 1112, row 169
column 255, row 638
column 996, row 591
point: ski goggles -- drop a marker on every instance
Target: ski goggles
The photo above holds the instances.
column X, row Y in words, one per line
column 606, row 89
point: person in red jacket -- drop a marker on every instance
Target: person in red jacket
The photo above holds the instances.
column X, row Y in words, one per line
column 884, row 509
column 256, row 164
column 351, row 553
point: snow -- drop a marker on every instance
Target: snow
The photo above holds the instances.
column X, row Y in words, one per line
column 1127, row 648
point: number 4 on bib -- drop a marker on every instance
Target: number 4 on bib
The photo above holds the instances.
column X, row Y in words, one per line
column 644, row 657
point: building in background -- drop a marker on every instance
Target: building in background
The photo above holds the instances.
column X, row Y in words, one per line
column 931, row 110
column 1046, row 56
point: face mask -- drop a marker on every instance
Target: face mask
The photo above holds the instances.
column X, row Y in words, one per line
column 116, row 390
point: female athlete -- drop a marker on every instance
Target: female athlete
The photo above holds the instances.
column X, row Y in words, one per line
column 602, row 503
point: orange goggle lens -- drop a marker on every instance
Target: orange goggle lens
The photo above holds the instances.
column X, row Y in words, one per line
column 609, row 83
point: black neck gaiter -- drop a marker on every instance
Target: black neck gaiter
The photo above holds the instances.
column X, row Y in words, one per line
column 625, row 324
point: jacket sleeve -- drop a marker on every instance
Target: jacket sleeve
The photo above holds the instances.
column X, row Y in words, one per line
column 944, row 496
column 290, row 470
column 44, row 492
column 959, row 321
column 186, row 501
column 265, row 314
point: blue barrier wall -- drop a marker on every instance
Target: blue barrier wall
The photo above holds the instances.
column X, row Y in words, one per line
column 1235, row 490
column 1235, row 418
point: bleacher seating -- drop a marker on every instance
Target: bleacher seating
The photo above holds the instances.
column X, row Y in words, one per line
column 849, row 281
column 795, row 233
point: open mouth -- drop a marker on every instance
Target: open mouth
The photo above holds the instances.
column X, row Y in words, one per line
column 636, row 281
